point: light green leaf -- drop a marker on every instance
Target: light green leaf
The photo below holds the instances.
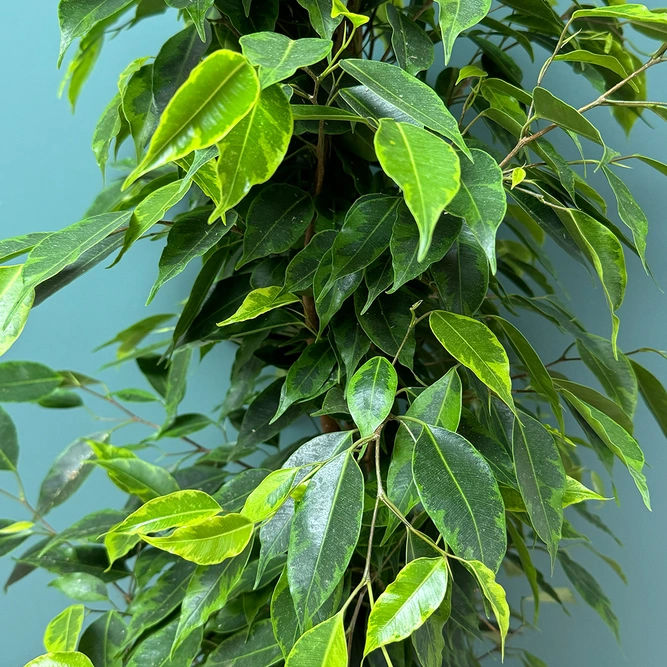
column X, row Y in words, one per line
column 252, row 151
column 22, row 381
column 219, row 92
column 408, row 95
column 209, row 542
column 412, row 46
column 77, row 18
column 481, row 200
column 269, row 495
column 541, row 477
column 322, row 645
column 576, row 492
column 321, row 19
column 13, row 320
column 598, row 59
column 617, row 439
column 106, row 130
column 475, row 346
column 62, row 633
column 461, row 495
column 339, row 9
column 182, row 508
column 258, row 302
column 495, row 594
column 276, row 220
column 623, row 12
column 551, row 108
column 605, row 253
column 278, row 57
column 410, row 156
column 119, row 545
column 81, row 586
column 457, row 16
column 61, row 659
column 370, row 394
column 208, row 591
column 318, row 112
column 324, row 533
column 407, row 602
column 629, row 211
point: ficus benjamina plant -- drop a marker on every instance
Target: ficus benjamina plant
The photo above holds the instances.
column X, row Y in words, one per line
column 370, row 213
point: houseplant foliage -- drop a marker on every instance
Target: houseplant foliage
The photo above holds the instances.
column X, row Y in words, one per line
column 340, row 185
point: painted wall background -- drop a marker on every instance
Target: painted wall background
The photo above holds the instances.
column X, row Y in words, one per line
column 48, row 178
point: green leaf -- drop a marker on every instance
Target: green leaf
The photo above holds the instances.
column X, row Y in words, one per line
column 66, row 475
column 475, row 346
column 322, row 645
column 219, row 92
column 321, row 19
column 247, row 649
column 119, row 545
column 329, row 297
column 617, row 439
column 625, row 12
column 233, row 494
column 189, row 237
column 438, row 405
column 302, row 267
column 181, row 508
column 590, row 590
column 61, row 249
column 9, row 442
column 541, row 477
column 407, row 94
column 252, row 151
column 457, row 16
column 103, row 639
column 107, row 129
column 412, row 46
column 407, row 602
column 132, row 474
column 365, row 235
column 370, row 394
column 540, row 379
column 324, row 533
column 283, row 616
column 62, row 633
column 22, row 381
column 307, row 375
column 197, row 10
column 208, row 592
column 278, row 57
column 598, row 59
column 548, row 106
column 209, row 542
column 576, row 492
column 462, row 275
column 276, row 220
column 651, row 389
column 81, row 586
column 495, row 594
column 481, row 200
column 410, row 155
column 139, row 107
column 61, row 659
column 629, row 211
column 78, row 18
column 405, row 246
column 258, row 302
column 156, row 649
column 461, row 495
column 269, row 495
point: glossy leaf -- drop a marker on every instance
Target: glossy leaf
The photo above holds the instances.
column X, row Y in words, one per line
column 320, row 12
column 551, row 108
column 103, row 639
column 541, row 478
column 278, row 57
column 9, row 442
column 474, row 345
column 411, row 45
column 481, row 200
column 257, row 647
column 370, row 394
column 409, row 155
column 81, row 586
column 324, row 533
column 252, row 151
column 62, row 633
column 652, row 392
column 460, row 494
column 258, row 302
column 219, row 92
column 269, row 495
column 61, row 659
column 322, row 645
column 457, row 16
column 407, row 602
column 208, row 542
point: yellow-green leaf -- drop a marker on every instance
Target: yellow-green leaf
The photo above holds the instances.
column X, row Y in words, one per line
column 411, row 156
column 61, row 659
column 457, row 16
column 219, row 92
column 12, row 320
column 260, row 301
column 407, row 602
column 339, row 9
column 269, row 495
column 322, row 645
column 62, row 633
column 576, row 492
column 209, row 542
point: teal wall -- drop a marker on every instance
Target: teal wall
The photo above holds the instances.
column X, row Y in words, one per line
column 48, row 177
